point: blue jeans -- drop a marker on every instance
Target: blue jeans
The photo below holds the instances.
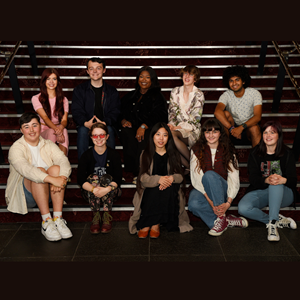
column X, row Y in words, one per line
column 275, row 196
column 83, row 139
column 216, row 189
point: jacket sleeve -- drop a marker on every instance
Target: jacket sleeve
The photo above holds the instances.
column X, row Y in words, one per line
column 290, row 171
column 78, row 109
column 255, row 177
column 113, row 104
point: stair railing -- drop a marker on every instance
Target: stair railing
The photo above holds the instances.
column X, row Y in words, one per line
column 283, row 55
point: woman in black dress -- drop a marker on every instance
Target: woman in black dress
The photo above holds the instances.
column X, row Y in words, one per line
column 159, row 199
column 140, row 110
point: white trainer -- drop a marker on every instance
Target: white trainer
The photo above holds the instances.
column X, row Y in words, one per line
column 49, row 230
column 62, row 228
column 286, row 222
column 273, row 235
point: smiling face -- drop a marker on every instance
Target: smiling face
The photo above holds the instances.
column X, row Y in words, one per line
column 160, row 139
column 212, row 137
column 236, row 84
column 270, row 137
column 188, row 79
column 95, row 71
column 31, row 132
column 99, row 137
column 144, row 81
column 51, row 82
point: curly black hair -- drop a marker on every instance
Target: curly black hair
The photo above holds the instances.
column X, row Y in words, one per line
column 239, row 71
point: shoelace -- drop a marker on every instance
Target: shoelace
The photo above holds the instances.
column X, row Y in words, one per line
column 96, row 218
column 218, row 224
column 272, row 228
column 107, row 218
column 284, row 223
column 235, row 222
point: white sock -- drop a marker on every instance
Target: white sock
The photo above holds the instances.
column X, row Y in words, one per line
column 57, row 214
column 46, row 216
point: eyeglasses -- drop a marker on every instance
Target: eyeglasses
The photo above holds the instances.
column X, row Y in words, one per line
column 101, row 136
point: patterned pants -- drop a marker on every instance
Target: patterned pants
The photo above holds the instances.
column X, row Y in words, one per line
column 107, row 200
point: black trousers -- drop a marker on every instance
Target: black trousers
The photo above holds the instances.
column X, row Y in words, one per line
column 132, row 149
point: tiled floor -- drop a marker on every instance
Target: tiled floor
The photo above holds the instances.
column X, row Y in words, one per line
column 24, row 242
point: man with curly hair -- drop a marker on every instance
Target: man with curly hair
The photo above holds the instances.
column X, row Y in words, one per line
column 240, row 107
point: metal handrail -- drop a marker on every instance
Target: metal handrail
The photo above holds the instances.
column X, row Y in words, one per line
column 282, row 55
column 9, row 61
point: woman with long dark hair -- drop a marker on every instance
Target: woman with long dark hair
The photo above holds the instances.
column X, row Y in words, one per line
column 159, row 199
column 215, row 178
column 140, row 110
column 273, row 180
column 52, row 107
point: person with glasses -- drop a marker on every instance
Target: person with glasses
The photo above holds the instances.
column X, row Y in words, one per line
column 215, row 178
column 185, row 112
column 99, row 175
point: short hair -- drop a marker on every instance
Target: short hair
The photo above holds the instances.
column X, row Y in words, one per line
column 98, row 125
column 96, row 59
column 193, row 70
column 27, row 117
column 239, row 71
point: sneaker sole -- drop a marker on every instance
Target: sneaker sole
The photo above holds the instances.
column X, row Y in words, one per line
column 273, row 239
column 294, row 226
column 216, row 233
column 50, row 239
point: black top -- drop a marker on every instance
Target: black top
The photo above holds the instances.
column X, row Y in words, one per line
column 87, row 164
column 261, row 167
column 98, row 111
column 152, row 108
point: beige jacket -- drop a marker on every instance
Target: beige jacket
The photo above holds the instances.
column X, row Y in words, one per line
column 19, row 157
column 152, row 181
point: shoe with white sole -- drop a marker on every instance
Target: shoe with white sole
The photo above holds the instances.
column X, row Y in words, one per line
column 62, row 228
column 273, row 235
column 286, row 222
column 50, row 231
column 220, row 225
column 234, row 221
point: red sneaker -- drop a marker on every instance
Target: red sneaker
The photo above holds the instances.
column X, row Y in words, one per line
column 220, row 225
column 234, row 221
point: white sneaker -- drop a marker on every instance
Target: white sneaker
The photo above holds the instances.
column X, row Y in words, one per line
column 62, row 228
column 273, row 235
column 286, row 222
column 49, row 230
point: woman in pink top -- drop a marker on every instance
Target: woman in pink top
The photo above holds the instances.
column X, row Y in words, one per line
column 53, row 108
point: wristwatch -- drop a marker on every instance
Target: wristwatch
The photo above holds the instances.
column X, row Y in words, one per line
column 143, row 126
column 244, row 125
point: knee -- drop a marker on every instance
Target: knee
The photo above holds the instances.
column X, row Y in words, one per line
column 54, row 170
column 193, row 202
column 243, row 207
column 209, row 177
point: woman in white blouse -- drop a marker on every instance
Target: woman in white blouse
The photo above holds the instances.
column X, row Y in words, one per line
column 215, row 178
column 185, row 112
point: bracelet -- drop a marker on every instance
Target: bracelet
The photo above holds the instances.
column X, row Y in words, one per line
column 231, row 128
column 112, row 187
column 229, row 203
column 92, row 189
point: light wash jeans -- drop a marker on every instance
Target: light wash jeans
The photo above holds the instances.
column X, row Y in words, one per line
column 83, row 139
column 275, row 196
column 216, row 188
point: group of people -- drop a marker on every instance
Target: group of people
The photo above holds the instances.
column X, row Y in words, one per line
column 162, row 144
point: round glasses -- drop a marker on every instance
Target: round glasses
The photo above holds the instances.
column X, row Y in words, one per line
column 101, row 136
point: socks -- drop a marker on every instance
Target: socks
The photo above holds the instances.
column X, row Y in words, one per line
column 46, row 216
column 57, row 214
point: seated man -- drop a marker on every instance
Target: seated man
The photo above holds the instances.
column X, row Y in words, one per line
column 95, row 101
column 240, row 107
column 38, row 174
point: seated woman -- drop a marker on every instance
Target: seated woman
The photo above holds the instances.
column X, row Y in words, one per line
column 38, row 175
column 52, row 107
column 185, row 112
column 99, row 176
column 159, row 199
column 273, row 180
column 140, row 110
column 215, row 178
